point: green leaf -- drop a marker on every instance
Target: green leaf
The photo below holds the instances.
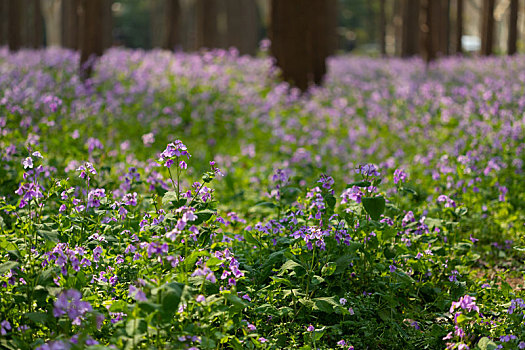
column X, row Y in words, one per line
column 266, row 204
column 170, row 199
column 328, row 269
column 375, row 206
column 51, row 236
column 172, row 293
column 294, row 266
column 136, row 327
column 37, row 317
column 8, row 266
column 330, row 201
column 203, row 216
column 487, row 344
column 325, row 304
column 237, row 302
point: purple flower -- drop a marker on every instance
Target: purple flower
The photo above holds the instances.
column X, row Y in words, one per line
column 341, row 342
column 4, row 327
column 466, row 303
column 137, row 294
column 342, row 301
column 70, row 303
column 399, row 176
column 310, row 328
column 200, row 298
column 28, row 163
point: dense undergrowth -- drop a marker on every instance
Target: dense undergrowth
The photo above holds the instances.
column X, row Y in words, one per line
column 192, row 201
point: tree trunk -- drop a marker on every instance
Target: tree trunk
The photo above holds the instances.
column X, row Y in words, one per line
column 107, row 24
column 91, row 33
column 3, row 22
column 51, row 10
column 513, row 27
column 410, row 40
column 38, row 25
column 299, row 34
column 172, row 25
column 13, row 26
column 209, row 24
column 382, row 27
column 70, row 23
column 459, row 26
column 487, row 27
column 427, row 28
column 242, row 25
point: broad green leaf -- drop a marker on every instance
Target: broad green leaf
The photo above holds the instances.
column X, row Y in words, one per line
column 374, row 206
column 5, row 267
column 487, row 344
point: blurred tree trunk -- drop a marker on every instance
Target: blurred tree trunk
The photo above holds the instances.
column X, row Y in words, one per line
column 3, row 22
column 242, row 25
column 13, row 26
column 427, row 27
column 107, row 24
column 91, row 35
column 70, row 23
column 382, row 27
column 210, row 24
column 51, row 10
column 38, row 25
column 157, row 19
column 410, row 32
column 434, row 23
column 487, row 27
column 459, row 26
column 300, row 37
column 513, row 27
column 172, row 25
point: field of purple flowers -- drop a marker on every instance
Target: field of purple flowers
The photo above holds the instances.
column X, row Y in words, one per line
column 185, row 201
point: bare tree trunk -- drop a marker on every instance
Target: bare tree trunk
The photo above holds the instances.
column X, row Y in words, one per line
column 410, row 31
column 209, row 29
column 91, row 32
column 445, row 27
column 172, row 24
column 70, row 23
column 513, row 27
column 13, row 26
column 242, row 25
column 427, row 28
column 382, row 27
column 299, row 39
column 3, row 22
column 459, row 26
column 487, row 27
column 51, row 10
column 107, row 24
column 38, row 25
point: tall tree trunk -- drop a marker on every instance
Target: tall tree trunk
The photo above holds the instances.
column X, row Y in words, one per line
column 487, row 27
column 38, row 25
column 410, row 40
column 91, row 32
column 13, row 26
column 172, row 25
column 298, row 31
column 444, row 42
column 242, row 25
column 382, row 27
column 427, row 28
column 208, row 33
column 107, row 24
column 513, row 27
column 3, row 22
column 459, row 26
column 51, row 10
column 70, row 23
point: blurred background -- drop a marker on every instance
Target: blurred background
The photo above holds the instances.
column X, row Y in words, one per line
column 302, row 33
column 362, row 26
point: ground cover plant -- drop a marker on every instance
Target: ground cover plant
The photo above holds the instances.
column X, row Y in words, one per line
column 192, row 201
